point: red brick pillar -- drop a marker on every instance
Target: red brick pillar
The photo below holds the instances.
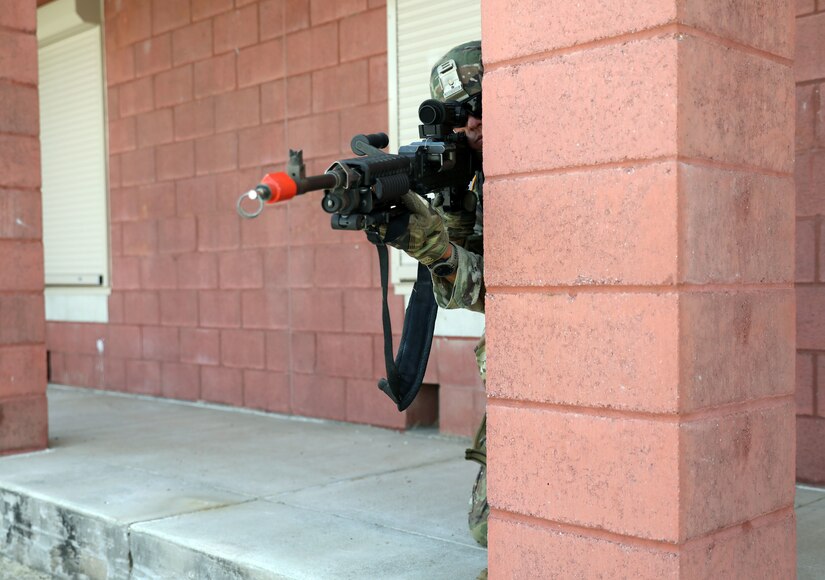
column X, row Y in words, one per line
column 640, row 309
column 22, row 327
column 810, row 239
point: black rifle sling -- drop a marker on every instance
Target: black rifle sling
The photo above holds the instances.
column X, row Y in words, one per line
column 406, row 373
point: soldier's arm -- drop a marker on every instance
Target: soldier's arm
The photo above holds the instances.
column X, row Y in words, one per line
column 465, row 287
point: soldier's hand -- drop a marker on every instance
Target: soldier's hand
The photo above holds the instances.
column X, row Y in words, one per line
column 460, row 223
column 421, row 233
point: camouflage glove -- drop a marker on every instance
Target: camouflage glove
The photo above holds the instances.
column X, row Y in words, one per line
column 423, row 237
column 459, row 224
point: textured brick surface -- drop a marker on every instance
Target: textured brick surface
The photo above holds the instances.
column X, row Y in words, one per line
column 22, row 370
column 222, row 385
column 23, row 424
column 809, row 320
column 267, row 391
column 810, row 44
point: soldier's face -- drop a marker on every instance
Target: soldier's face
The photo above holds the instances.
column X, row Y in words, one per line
column 473, row 131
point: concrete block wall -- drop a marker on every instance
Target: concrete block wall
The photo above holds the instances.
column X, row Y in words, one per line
column 278, row 313
column 640, row 293
column 810, row 239
column 23, row 420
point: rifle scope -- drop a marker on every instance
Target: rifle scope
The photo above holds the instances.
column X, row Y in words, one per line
column 433, row 112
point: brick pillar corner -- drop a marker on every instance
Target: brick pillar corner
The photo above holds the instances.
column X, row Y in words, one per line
column 640, row 302
column 23, row 420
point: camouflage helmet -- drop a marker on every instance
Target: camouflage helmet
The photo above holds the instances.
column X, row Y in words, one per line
column 467, row 60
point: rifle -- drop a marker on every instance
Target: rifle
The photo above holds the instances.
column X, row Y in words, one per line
column 364, row 193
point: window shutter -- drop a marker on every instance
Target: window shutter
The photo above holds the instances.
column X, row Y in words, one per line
column 75, row 224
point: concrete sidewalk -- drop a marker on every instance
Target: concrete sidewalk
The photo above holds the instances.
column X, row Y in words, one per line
column 137, row 488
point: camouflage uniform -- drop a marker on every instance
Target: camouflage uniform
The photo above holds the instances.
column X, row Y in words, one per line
column 467, row 291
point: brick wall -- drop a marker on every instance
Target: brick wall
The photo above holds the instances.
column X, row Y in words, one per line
column 279, row 313
column 810, row 239
column 23, row 424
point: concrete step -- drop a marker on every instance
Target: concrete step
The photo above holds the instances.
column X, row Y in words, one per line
column 137, row 488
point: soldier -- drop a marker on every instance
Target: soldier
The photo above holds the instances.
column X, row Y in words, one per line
column 450, row 243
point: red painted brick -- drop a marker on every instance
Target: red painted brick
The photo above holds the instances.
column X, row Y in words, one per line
column 735, row 347
column 319, row 396
column 236, row 29
column 363, row 34
column 221, row 385
column 264, row 309
column 158, row 273
column 153, row 55
column 180, row 381
column 124, row 342
column 241, row 269
column 115, row 308
column 820, row 387
column 198, row 271
column 260, row 63
column 136, row 97
column 299, row 95
column 267, row 230
column 810, row 45
column 18, row 156
column 805, row 6
column 815, row 202
column 273, row 101
column 741, row 112
column 220, row 309
column 321, row 12
column 262, row 145
column 123, row 206
column 303, row 352
column 143, row 377
column 378, row 78
column 173, row 87
column 24, row 425
column 717, row 454
column 21, row 265
column 271, row 23
column 345, row 355
column 192, row 43
column 168, row 15
column 175, row 160
column 114, row 374
column 810, row 304
column 177, row 235
column 22, row 370
column 807, row 101
column 19, row 15
column 340, row 87
column 218, row 232
column 126, row 273
column 206, row 8
column 140, row 238
column 266, row 391
column 805, row 387
column 196, row 196
column 20, row 215
column 296, row 15
column 276, row 262
column 216, row 153
column 200, row 346
column 216, row 75
column 133, row 23
column 632, row 364
column 179, row 308
column 138, row 167
column 18, row 56
column 20, row 106
column 806, row 250
column 237, row 109
column 120, row 65
column 76, row 337
column 156, row 201
column 243, row 348
column 114, row 171
column 317, row 135
column 160, row 343
column 809, row 200
column 22, row 318
column 141, row 308
column 810, row 461
column 196, row 119
column 154, row 128
column 313, row 48
column 278, row 353
column 362, row 310
column 317, row 310
column 457, row 414
column 365, row 119
column 122, row 135
column 367, row 404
